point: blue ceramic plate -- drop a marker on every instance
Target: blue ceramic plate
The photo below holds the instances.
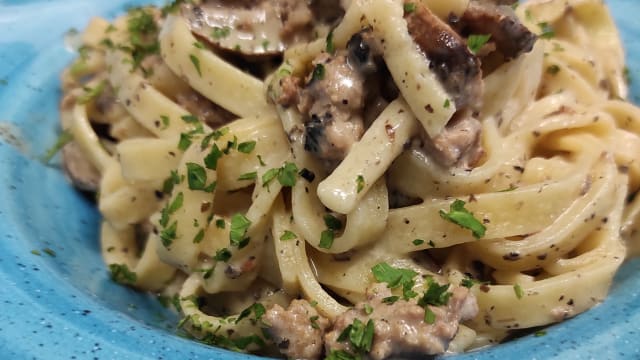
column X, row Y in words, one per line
column 62, row 305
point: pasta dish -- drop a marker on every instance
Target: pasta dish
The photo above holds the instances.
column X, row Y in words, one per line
column 358, row 179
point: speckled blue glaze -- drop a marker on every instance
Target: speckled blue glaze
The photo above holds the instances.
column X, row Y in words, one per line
column 65, row 306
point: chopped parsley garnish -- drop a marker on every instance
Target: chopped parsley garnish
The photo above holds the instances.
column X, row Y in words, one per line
column 257, row 309
column 288, row 235
column 265, row 45
column 120, row 273
column 391, row 299
column 462, row 217
column 446, row 104
column 222, row 255
column 318, row 72
column 239, row 226
column 171, row 7
column 190, row 119
column 314, row 321
column 142, row 37
column 36, row 252
column 326, row 239
column 262, row 163
column 546, row 31
column 341, row 355
column 332, row 222
column 220, row 224
column 394, row 277
column 436, row 294
column 359, row 335
column 199, row 236
column 287, row 175
column 540, row 333
column 184, row 142
column 249, row 176
column 553, row 69
column 171, row 207
column 173, row 179
column 246, row 147
column 431, row 243
column 168, row 235
column 368, row 309
column 92, row 93
column 64, row 138
column 418, row 242
column 221, row 32
column 330, row 47
column 476, row 42
column 196, row 63
column 359, row 183
column 49, row 252
column 467, row 282
column 165, row 121
column 211, row 160
column 409, row 8
column 198, row 45
column 517, row 289
column 429, row 315
column 627, row 75
column 197, row 178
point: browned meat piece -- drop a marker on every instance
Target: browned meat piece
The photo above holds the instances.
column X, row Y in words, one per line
column 82, row 173
column 334, row 98
column 510, row 36
column 207, row 111
column 400, row 329
column 298, row 330
column 456, row 67
column 264, row 27
column 459, row 142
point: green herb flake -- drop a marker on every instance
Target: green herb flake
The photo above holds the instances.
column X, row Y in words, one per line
column 199, row 236
column 173, row 179
column 120, row 273
column 436, row 294
column 359, row 335
column 546, row 31
column 467, row 282
column 198, row 45
column 475, row 42
column 447, row 104
column 429, row 316
column 256, row 308
column 288, row 235
column 418, row 242
column 262, row 163
column 359, row 183
column 249, row 176
column 36, row 252
column 196, row 176
column 314, row 321
column 269, row 175
column 391, row 299
column 332, row 222
column 64, row 138
column 326, row 239
column 330, row 46
column 431, row 243
column 368, row 309
column 221, row 32
column 394, row 277
column 211, row 160
column 265, row 45
column 92, row 93
column 164, row 119
column 540, row 333
column 462, row 217
column 627, row 75
column 288, row 174
column 185, row 141
column 246, row 147
column 222, row 255
column 409, row 7
column 220, row 224
column 553, row 69
column 190, row 119
column 168, row 235
column 196, row 63
column 517, row 289
column 318, row 73
column 341, row 355
column 239, row 226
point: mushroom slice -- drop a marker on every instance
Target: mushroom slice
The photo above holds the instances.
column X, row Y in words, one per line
column 250, row 27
